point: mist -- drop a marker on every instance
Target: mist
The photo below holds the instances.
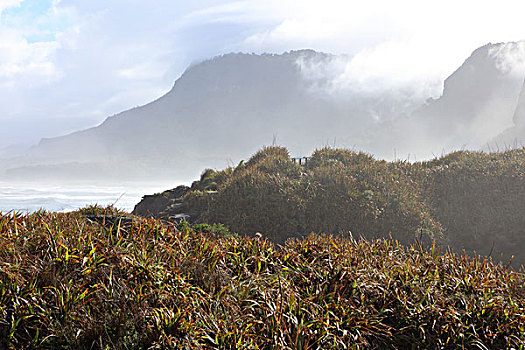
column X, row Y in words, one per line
column 68, row 65
column 369, row 152
column 222, row 110
column 111, row 92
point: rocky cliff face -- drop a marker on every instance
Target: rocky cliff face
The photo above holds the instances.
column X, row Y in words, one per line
column 514, row 136
column 519, row 114
column 478, row 103
column 166, row 205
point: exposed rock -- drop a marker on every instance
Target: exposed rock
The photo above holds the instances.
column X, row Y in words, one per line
column 478, row 103
column 156, row 205
column 514, row 136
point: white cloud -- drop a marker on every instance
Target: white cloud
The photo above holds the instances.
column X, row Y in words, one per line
column 28, row 46
column 22, row 61
column 395, row 42
column 107, row 56
column 4, row 4
column 511, row 58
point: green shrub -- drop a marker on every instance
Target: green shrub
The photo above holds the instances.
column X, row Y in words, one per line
column 217, row 229
column 338, row 191
column 97, row 209
column 466, row 200
column 275, row 152
column 479, row 200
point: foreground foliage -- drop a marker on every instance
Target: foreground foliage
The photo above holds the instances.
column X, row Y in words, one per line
column 67, row 282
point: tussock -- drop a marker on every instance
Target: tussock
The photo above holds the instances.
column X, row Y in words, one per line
column 66, row 282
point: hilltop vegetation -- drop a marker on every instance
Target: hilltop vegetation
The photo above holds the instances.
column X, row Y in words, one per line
column 68, row 282
column 466, row 200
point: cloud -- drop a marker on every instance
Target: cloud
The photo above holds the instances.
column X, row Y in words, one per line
column 368, row 71
column 401, row 42
column 5, row 4
column 77, row 62
column 511, row 58
column 28, row 44
column 23, row 62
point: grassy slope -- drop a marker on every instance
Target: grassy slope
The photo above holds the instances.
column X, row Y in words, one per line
column 69, row 283
column 468, row 200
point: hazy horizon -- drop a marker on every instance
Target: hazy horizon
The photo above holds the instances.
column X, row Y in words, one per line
column 68, row 65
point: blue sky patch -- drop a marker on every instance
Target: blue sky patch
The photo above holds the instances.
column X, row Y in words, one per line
column 35, row 19
column 30, row 8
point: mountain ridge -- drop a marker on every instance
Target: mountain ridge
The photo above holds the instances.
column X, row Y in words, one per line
column 223, row 109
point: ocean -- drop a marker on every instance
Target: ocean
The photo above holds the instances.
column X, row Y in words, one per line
column 30, row 197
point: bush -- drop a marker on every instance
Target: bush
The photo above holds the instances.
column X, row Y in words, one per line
column 338, row 191
column 68, row 283
column 466, row 200
column 479, row 200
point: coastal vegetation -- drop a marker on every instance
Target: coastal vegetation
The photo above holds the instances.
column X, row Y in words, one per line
column 70, row 282
column 403, row 255
column 472, row 201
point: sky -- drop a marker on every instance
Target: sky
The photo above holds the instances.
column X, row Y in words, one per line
column 66, row 65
